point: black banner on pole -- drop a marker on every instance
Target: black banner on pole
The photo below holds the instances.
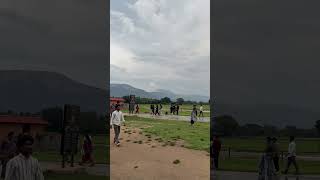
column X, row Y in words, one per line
column 70, row 133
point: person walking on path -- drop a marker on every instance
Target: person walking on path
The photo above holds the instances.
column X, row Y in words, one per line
column 117, row 119
column 201, row 111
column 137, row 109
column 276, row 151
column 211, row 154
column 177, row 109
column 8, row 149
column 174, row 109
column 157, row 110
column 24, row 166
column 266, row 167
column 152, row 109
column 292, row 156
column 87, row 151
column 160, row 109
column 193, row 115
column 216, row 148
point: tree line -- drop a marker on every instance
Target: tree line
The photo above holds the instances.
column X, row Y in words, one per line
column 165, row 100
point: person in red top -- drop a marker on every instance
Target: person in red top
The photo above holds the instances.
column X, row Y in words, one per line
column 87, row 150
column 216, row 147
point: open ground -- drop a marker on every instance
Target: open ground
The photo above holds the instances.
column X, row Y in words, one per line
column 161, row 149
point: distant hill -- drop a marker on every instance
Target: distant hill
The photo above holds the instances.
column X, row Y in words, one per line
column 30, row 91
column 120, row 90
column 269, row 114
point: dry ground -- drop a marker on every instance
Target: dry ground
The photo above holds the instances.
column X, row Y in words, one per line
column 144, row 158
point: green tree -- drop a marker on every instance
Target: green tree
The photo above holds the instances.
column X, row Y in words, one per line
column 165, row 100
column 228, row 123
column 180, row 101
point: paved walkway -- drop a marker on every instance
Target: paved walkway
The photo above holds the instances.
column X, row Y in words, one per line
column 225, row 175
column 169, row 117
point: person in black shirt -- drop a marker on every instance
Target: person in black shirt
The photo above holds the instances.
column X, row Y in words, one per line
column 152, row 109
column 157, row 110
column 177, row 109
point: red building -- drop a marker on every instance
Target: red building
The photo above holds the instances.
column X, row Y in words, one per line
column 16, row 123
column 115, row 100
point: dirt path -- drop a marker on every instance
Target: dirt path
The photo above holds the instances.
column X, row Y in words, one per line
column 150, row 160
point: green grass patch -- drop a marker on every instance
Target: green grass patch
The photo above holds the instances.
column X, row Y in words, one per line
column 101, row 152
column 196, row 137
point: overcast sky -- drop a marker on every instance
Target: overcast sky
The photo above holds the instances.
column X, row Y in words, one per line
column 65, row 36
column 161, row 44
column 267, row 52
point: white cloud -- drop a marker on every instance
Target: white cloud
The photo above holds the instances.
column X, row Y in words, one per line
column 162, row 44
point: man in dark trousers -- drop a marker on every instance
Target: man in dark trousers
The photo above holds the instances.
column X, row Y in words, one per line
column 177, row 109
column 152, row 109
column 157, row 110
column 292, row 153
column 276, row 151
column 216, row 147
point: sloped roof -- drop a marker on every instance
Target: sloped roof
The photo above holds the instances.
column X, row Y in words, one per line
column 116, row 99
column 10, row 119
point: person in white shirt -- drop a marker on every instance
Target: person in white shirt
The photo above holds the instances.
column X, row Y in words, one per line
column 24, row 166
column 292, row 156
column 201, row 111
column 117, row 119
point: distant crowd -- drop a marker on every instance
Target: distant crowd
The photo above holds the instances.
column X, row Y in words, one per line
column 268, row 166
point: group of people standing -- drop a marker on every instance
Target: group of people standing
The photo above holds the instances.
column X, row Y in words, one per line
column 269, row 162
column 174, row 109
column 17, row 160
column 268, row 167
column 156, row 109
column 16, row 155
column 194, row 114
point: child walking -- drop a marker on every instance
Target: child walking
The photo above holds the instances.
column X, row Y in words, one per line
column 87, row 150
column 117, row 119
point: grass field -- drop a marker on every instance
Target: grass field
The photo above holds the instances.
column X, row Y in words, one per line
column 101, row 151
column 251, row 165
column 257, row 144
column 185, row 110
column 51, row 176
column 196, row 137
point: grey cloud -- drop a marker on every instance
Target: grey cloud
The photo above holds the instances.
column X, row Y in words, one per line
column 65, row 36
column 267, row 51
